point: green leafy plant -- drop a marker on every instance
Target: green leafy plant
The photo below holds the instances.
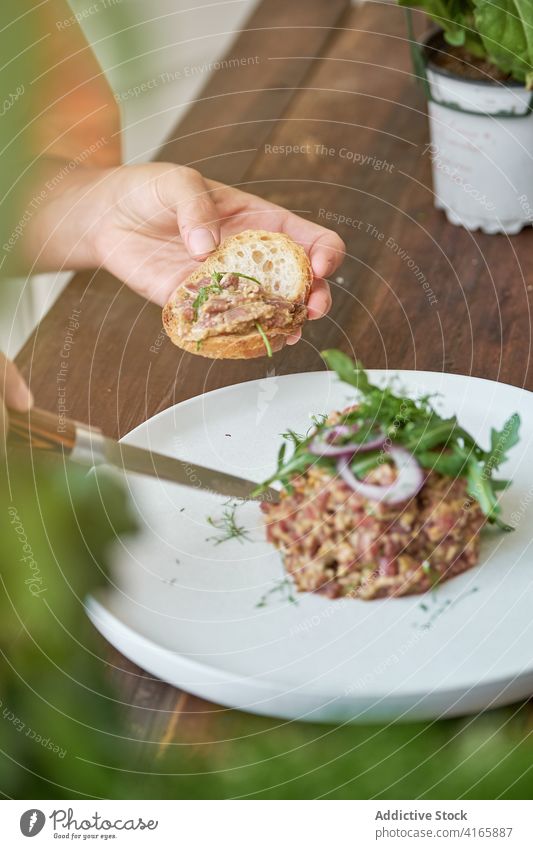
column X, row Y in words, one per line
column 439, row 444
column 498, row 30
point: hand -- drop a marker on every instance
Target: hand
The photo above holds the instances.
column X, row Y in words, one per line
column 13, row 393
column 162, row 219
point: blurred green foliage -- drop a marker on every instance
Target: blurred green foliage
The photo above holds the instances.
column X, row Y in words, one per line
column 18, row 31
column 476, row 758
column 57, row 524
column 63, row 736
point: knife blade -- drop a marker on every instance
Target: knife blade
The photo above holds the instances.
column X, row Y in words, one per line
column 86, row 444
column 134, row 459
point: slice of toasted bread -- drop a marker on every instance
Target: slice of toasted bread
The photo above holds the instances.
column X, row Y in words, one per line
column 276, row 261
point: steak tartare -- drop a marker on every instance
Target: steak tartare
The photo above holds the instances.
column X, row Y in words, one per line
column 335, row 542
column 233, row 303
column 385, row 498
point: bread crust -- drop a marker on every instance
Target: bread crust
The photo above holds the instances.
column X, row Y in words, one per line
column 234, row 345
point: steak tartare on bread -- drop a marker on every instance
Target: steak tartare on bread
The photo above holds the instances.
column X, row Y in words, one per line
column 386, row 498
column 244, row 300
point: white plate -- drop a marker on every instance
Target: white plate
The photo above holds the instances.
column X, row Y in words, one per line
column 187, row 610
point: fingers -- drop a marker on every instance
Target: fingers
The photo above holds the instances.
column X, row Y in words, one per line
column 319, row 300
column 318, row 305
column 294, row 337
column 325, row 248
column 198, row 222
column 13, row 387
column 14, row 393
column 326, row 253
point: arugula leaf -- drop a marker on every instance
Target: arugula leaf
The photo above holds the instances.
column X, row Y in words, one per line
column 246, row 276
column 501, row 442
column 481, row 486
column 299, row 462
column 500, row 485
column 203, row 294
column 363, row 463
column 265, row 339
column 452, row 465
column 347, row 370
column 218, row 275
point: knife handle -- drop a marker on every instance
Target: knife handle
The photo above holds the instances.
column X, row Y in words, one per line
column 42, row 430
column 46, row 431
column 52, row 433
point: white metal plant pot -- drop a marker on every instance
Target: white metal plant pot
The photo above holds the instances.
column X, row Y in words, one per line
column 481, row 148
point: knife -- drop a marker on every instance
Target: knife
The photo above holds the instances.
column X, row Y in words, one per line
column 87, row 445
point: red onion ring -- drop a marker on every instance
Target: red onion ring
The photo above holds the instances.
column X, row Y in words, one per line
column 339, row 430
column 408, row 483
column 322, row 445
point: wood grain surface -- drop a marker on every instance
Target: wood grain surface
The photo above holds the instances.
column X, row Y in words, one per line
column 336, row 79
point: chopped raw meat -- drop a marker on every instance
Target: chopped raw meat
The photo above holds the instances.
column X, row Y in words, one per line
column 216, row 305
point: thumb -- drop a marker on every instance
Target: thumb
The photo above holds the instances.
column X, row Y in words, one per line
column 13, row 387
column 196, row 211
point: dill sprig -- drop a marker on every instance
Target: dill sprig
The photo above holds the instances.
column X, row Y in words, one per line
column 284, row 589
column 228, row 527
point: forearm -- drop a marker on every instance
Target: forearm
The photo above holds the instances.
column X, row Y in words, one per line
column 59, row 224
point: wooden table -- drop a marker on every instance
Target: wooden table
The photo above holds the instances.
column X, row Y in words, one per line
column 336, row 78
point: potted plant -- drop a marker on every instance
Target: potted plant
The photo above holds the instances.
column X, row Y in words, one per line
column 477, row 71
